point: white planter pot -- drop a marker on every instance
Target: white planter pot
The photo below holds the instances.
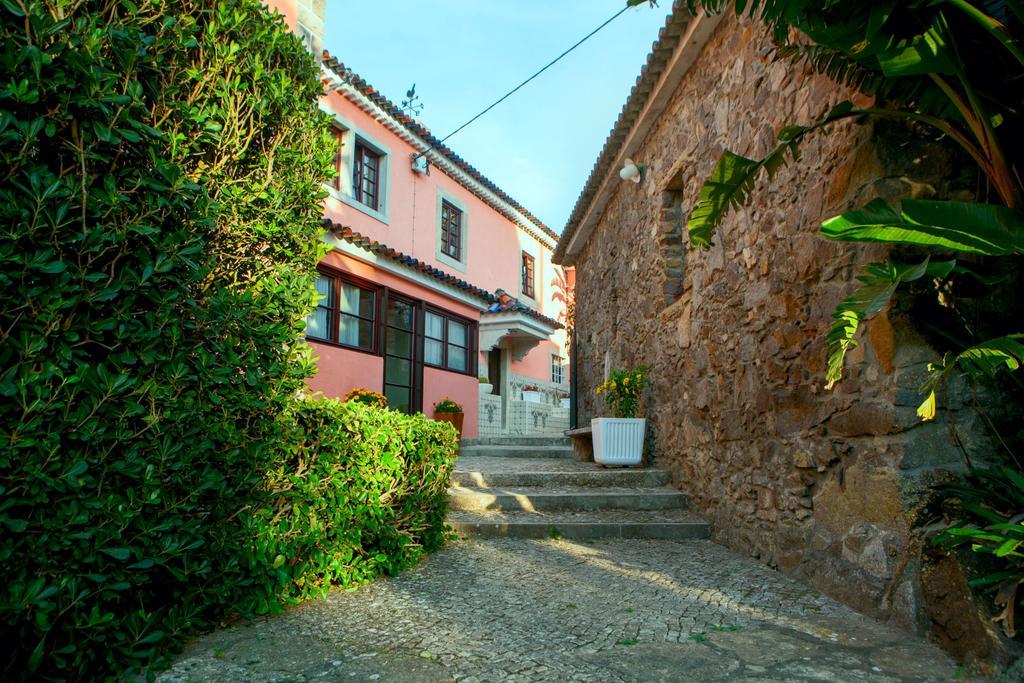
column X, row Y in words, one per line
column 564, row 402
column 532, row 396
column 617, row 440
column 485, row 389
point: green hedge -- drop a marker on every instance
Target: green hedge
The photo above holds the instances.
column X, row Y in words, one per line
column 159, row 229
column 362, row 491
column 162, row 169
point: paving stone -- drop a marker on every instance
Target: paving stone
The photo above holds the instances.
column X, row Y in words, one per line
column 558, row 610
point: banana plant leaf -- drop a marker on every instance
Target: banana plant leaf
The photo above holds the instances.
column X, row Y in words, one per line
column 987, row 359
column 879, row 282
column 974, row 228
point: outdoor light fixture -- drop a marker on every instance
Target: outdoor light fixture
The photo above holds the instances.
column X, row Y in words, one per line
column 632, row 171
column 420, row 164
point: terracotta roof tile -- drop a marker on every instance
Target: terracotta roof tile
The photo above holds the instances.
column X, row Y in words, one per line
column 508, row 303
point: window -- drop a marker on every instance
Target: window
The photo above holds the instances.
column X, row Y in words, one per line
column 345, row 314
column 451, row 230
column 557, row 369
column 366, row 176
column 528, row 275
column 339, row 159
column 447, row 342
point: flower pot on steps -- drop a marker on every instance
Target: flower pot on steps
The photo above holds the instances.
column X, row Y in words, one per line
column 618, row 440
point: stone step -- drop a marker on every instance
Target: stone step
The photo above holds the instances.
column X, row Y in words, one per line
column 576, row 498
column 484, row 472
column 661, row 525
column 517, row 441
column 491, row 451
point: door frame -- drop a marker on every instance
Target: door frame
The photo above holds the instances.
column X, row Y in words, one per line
column 416, row 390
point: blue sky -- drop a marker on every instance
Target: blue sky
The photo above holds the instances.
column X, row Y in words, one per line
column 540, row 144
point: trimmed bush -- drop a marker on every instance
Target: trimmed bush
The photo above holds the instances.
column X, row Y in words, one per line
column 362, row 491
column 162, row 166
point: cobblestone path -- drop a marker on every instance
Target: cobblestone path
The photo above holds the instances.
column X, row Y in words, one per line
column 557, row 610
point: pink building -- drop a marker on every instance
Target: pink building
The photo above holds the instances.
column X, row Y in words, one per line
column 436, row 276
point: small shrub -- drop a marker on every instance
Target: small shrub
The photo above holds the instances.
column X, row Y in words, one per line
column 361, row 492
column 367, row 397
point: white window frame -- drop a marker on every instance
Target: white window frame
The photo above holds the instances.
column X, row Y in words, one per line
column 561, row 369
column 457, row 264
column 350, row 134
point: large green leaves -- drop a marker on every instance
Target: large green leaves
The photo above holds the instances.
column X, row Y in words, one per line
column 879, row 282
column 984, row 360
column 964, row 226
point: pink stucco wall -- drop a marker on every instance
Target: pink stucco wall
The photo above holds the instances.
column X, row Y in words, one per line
column 494, row 244
column 343, row 369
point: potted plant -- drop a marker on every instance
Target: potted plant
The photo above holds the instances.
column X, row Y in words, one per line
column 619, row 440
column 531, row 392
column 485, row 385
column 447, row 410
column 370, row 398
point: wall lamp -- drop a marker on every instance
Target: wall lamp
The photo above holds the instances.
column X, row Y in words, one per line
column 632, row 171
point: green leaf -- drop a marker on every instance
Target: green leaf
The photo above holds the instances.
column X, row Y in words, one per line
column 923, row 54
column 964, row 226
column 117, row 553
column 879, row 283
column 729, row 187
column 987, row 359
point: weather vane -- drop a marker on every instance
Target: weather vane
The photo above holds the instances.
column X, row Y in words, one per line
column 411, row 105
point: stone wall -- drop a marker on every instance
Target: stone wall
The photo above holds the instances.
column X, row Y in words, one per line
column 824, row 485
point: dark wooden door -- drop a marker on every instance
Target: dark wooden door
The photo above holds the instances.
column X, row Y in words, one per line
column 403, row 374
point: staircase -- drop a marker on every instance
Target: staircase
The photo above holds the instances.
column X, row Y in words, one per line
column 528, row 487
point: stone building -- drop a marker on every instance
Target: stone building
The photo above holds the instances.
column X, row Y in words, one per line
column 827, row 486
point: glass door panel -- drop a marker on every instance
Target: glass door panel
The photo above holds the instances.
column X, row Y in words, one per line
column 400, row 368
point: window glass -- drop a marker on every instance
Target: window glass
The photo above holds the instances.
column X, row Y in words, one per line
column 345, row 313
column 400, row 315
column 318, row 322
column 398, row 371
column 457, row 358
column 398, row 397
column 366, row 176
column 434, row 326
column 557, row 369
column 528, row 275
column 451, row 230
column 433, row 352
column 399, row 343
column 356, row 301
column 456, row 333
